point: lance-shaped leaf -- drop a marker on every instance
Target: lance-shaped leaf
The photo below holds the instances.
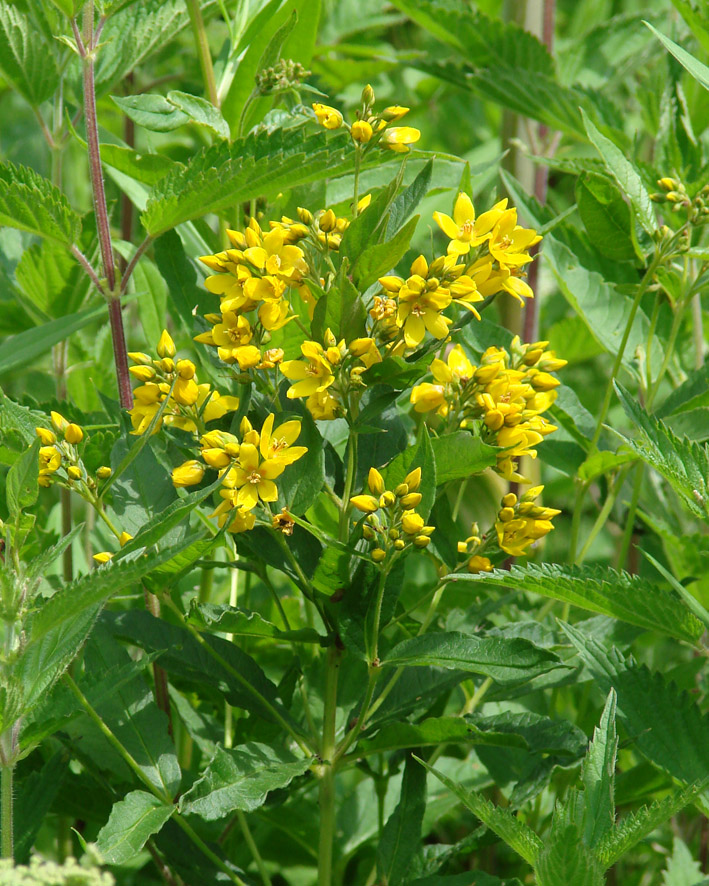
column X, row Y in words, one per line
column 631, row 598
column 460, row 455
column 240, row 779
column 598, row 776
column 32, row 203
column 133, row 820
column 699, row 71
column 682, row 462
column 402, row 833
column 506, row 660
column 21, row 487
column 508, row 827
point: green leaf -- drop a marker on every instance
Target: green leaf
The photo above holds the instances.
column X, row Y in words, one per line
column 22, row 488
column 19, row 419
column 401, row 834
column 699, row 71
column 603, row 590
column 300, row 484
column 418, row 456
column 341, row 311
column 403, row 206
column 606, row 216
column 598, row 776
column 33, row 801
column 200, row 111
column 240, row 778
column 435, row 731
column 31, row 203
column 181, row 278
column 152, row 299
column 32, row 344
column 52, row 279
column 515, row 833
column 145, row 168
column 691, row 394
column 682, row 869
column 26, row 61
column 604, row 462
column 625, row 174
column 377, row 260
column 460, row 455
column 563, row 859
column 133, row 820
column 260, row 165
column 683, row 463
column 243, row 623
column 152, row 111
column 506, row 660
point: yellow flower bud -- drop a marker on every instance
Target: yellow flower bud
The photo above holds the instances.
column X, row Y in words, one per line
column 667, row 184
column 394, row 112
column 142, row 373
column 167, row 364
column 104, row 472
column 378, row 555
column 413, row 479
column 216, row 458
column 102, row 557
column 399, row 544
column 361, row 131
column 462, row 547
column 366, row 503
column 74, row 472
column 305, row 215
column 367, row 95
column 506, row 514
column 59, row 422
column 393, row 534
column 375, row 481
column 73, row 434
column 509, row 500
column 166, row 346
column 387, row 500
column 412, row 500
column 139, row 357
column 479, row 564
column 185, row 391
column 185, row 368
column 328, row 117
column 124, row 538
column 367, row 532
column 422, row 541
column 188, row 474
column 46, row 436
column 411, row 522
column 327, row 221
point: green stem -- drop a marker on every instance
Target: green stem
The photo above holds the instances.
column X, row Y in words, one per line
column 357, row 162
column 327, row 779
column 669, row 350
column 349, row 485
column 365, row 710
column 630, row 519
column 299, row 740
column 203, row 52
column 603, row 514
column 697, row 331
column 7, row 803
column 246, row 831
column 374, row 656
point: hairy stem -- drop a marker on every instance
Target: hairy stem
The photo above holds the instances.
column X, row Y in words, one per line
column 7, row 810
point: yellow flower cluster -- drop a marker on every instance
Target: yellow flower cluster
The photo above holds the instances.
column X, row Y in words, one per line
column 59, row 458
column 190, row 406
column 392, row 521
column 370, row 128
column 472, row 549
column 520, row 523
column 247, row 465
column 328, row 373
column 504, row 397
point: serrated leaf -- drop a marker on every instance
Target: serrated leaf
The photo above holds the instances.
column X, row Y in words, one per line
column 52, row 279
column 21, row 486
column 33, row 801
column 200, row 111
column 145, row 168
column 506, row 660
column 26, row 61
column 240, row 778
column 625, row 174
column 691, row 394
column 133, row 820
column 407, row 201
column 241, row 622
column 31, row 203
column 682, row 869
column 604, row 462
column 515, row 833
column 260, row 165
column 401, row 835
column 603, row 590
column 563, row 859
column 682, row 462
column 598, row 776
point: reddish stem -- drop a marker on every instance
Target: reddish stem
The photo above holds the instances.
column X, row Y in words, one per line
column 120, row 356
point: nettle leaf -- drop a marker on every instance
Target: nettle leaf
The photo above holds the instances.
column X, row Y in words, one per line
column 508, row 827
column 21, row 487
column 682, row 462
column 200, row 111
column 239, row 622
column 33, row 801
column 401, row 834
column 604, row 590
column 20, row 419
column 691, row 394
column 506, row 660
column 240, row 778
column 153, row 112
column 145, row 168
column 31, row 203
column 682, row 869
column 606, row 216
column 460, row 455
column 435, row 731
column 262, row 164
column 598, row 776
column 699, row 71
column 133, row 820
column 627, row 176
column 26, row 61
column 563, row 859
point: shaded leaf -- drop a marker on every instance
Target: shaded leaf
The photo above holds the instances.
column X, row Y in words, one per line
column 133, row 820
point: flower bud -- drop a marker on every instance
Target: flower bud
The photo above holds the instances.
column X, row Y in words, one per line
column 387, row 500
column 368, row 532
column 166, row 346
column 124, row 538
column 188, row 474
column 422, row 541
column 506, row 514
column 401, row 490
column 167, row 364
column 413, row 479
column 367, row 95
column 394, row 112
column 139, row 357
column 393, row 534
column 46, row 436
column 103, row 557
column 361, row 131
column 74, row 472
column 104, row 472
column 399, row 544
column 185, row 368
column 412, row 500
column 142, row 373
column 378, row 555
column 411, row 522
column 478, row 564
column 366, row 503
column 509, row 500
column 375, row 481
column 327, row 221
column 668, row 184
column 305, row 215
column 73, row 434
column 59, row 423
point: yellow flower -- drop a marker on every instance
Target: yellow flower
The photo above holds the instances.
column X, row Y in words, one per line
column 188, row 474
column 509, row 242
column 124, row 538
column 398, row 138
column 427, row 397
column 519, row 526
column 102, row 557
column 277, row 258
column 464, row 230
column 253, row 478
column 421, row 298
column 59, row 422
column 361, row 131
column 323, row 406
column 311, row 377
column 276, row 445
column 328, row 117
column 50, row 459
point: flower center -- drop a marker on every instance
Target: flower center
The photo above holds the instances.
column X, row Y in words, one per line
column 254, row 478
